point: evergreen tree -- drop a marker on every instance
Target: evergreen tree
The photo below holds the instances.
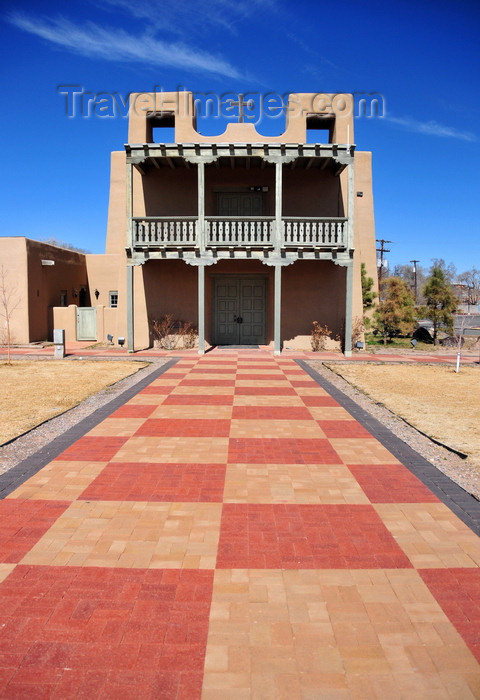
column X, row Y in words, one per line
column 368, row 296
column 395, row 314
column 441, row 302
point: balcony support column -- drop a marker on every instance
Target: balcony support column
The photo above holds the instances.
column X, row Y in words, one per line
column 347, row 351
column 278, row 263
column 201, row 206
column 201, row 263
column 201, row 309
column 277, row 304
column 350, row 204
column 278, row 205
column 200, row 161
column 129, row 247
column 278, row 161
column 130, row 310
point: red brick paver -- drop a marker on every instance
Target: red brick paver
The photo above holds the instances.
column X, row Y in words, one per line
column 232, row 532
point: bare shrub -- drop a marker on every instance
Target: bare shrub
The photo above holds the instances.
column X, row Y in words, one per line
column 168, row 332
column 319, row 336
column 9, row 302
column 358, row 329
column 189, row 335
column 165, row 332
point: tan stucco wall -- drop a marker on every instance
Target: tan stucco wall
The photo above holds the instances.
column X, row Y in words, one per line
column 13, row 259
column 106, row 274
column 40, row 285
column 300, row 105
column 117, row 212
column 308, row 290
column 365, row 246
column 312, row 192
column 65, row 317
column 166, row 193
column 46, row 282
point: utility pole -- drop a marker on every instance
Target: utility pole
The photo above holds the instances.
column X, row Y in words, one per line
column 381, row 250
column 415, row 277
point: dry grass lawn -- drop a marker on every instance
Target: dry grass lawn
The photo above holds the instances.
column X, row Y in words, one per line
column 436, row 400
column 32, row 392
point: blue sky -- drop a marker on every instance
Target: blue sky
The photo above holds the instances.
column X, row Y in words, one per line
column 423, row 57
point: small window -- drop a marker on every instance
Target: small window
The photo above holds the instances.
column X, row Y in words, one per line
column 320, row 128
column 113, row 299
column 63, row 297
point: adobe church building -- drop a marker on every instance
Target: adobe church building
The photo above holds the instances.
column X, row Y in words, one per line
column 249, row 237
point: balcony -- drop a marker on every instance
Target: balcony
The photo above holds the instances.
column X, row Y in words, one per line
column 182, row 233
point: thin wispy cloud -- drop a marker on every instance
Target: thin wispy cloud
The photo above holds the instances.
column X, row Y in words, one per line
column 184, row 18
column 113, row 44
column 431, row 128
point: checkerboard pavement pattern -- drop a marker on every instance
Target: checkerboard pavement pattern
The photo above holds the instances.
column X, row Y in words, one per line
column 232, row 532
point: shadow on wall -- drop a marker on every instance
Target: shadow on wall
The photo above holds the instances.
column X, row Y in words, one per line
column 170, row 288
column 313, row 291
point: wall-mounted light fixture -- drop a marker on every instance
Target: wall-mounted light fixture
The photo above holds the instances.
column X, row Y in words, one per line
column 97, row 293
column 110, row 338
column 359, row 194
column 48, row 262
column 121, row 342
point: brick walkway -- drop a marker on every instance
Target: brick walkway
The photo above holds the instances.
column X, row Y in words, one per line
column 231, row 531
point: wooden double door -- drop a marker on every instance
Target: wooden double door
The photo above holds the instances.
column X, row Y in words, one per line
column 240, row 310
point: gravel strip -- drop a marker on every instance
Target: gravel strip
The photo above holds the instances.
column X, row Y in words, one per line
column 15, row 451
column 457, row 469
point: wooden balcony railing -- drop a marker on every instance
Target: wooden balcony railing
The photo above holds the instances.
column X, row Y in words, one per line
column 239, row 232
column 164, row 232
column 325, row 232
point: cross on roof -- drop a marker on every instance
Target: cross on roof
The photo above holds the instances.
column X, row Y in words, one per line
column 241, row 103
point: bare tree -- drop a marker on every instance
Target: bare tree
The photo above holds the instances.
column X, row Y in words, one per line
column 407, row 274
column 9, row 302
column 64, row 244
column 449, row 270
column 471, row 280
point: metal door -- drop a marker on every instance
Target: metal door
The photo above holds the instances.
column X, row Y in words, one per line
column 86, row 323
column 240, row 311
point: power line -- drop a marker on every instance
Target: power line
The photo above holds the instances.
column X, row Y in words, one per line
column 381, row 250
column 415, row 277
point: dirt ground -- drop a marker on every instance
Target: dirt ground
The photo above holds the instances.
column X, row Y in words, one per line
column 434, row 398
column 32, row 392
